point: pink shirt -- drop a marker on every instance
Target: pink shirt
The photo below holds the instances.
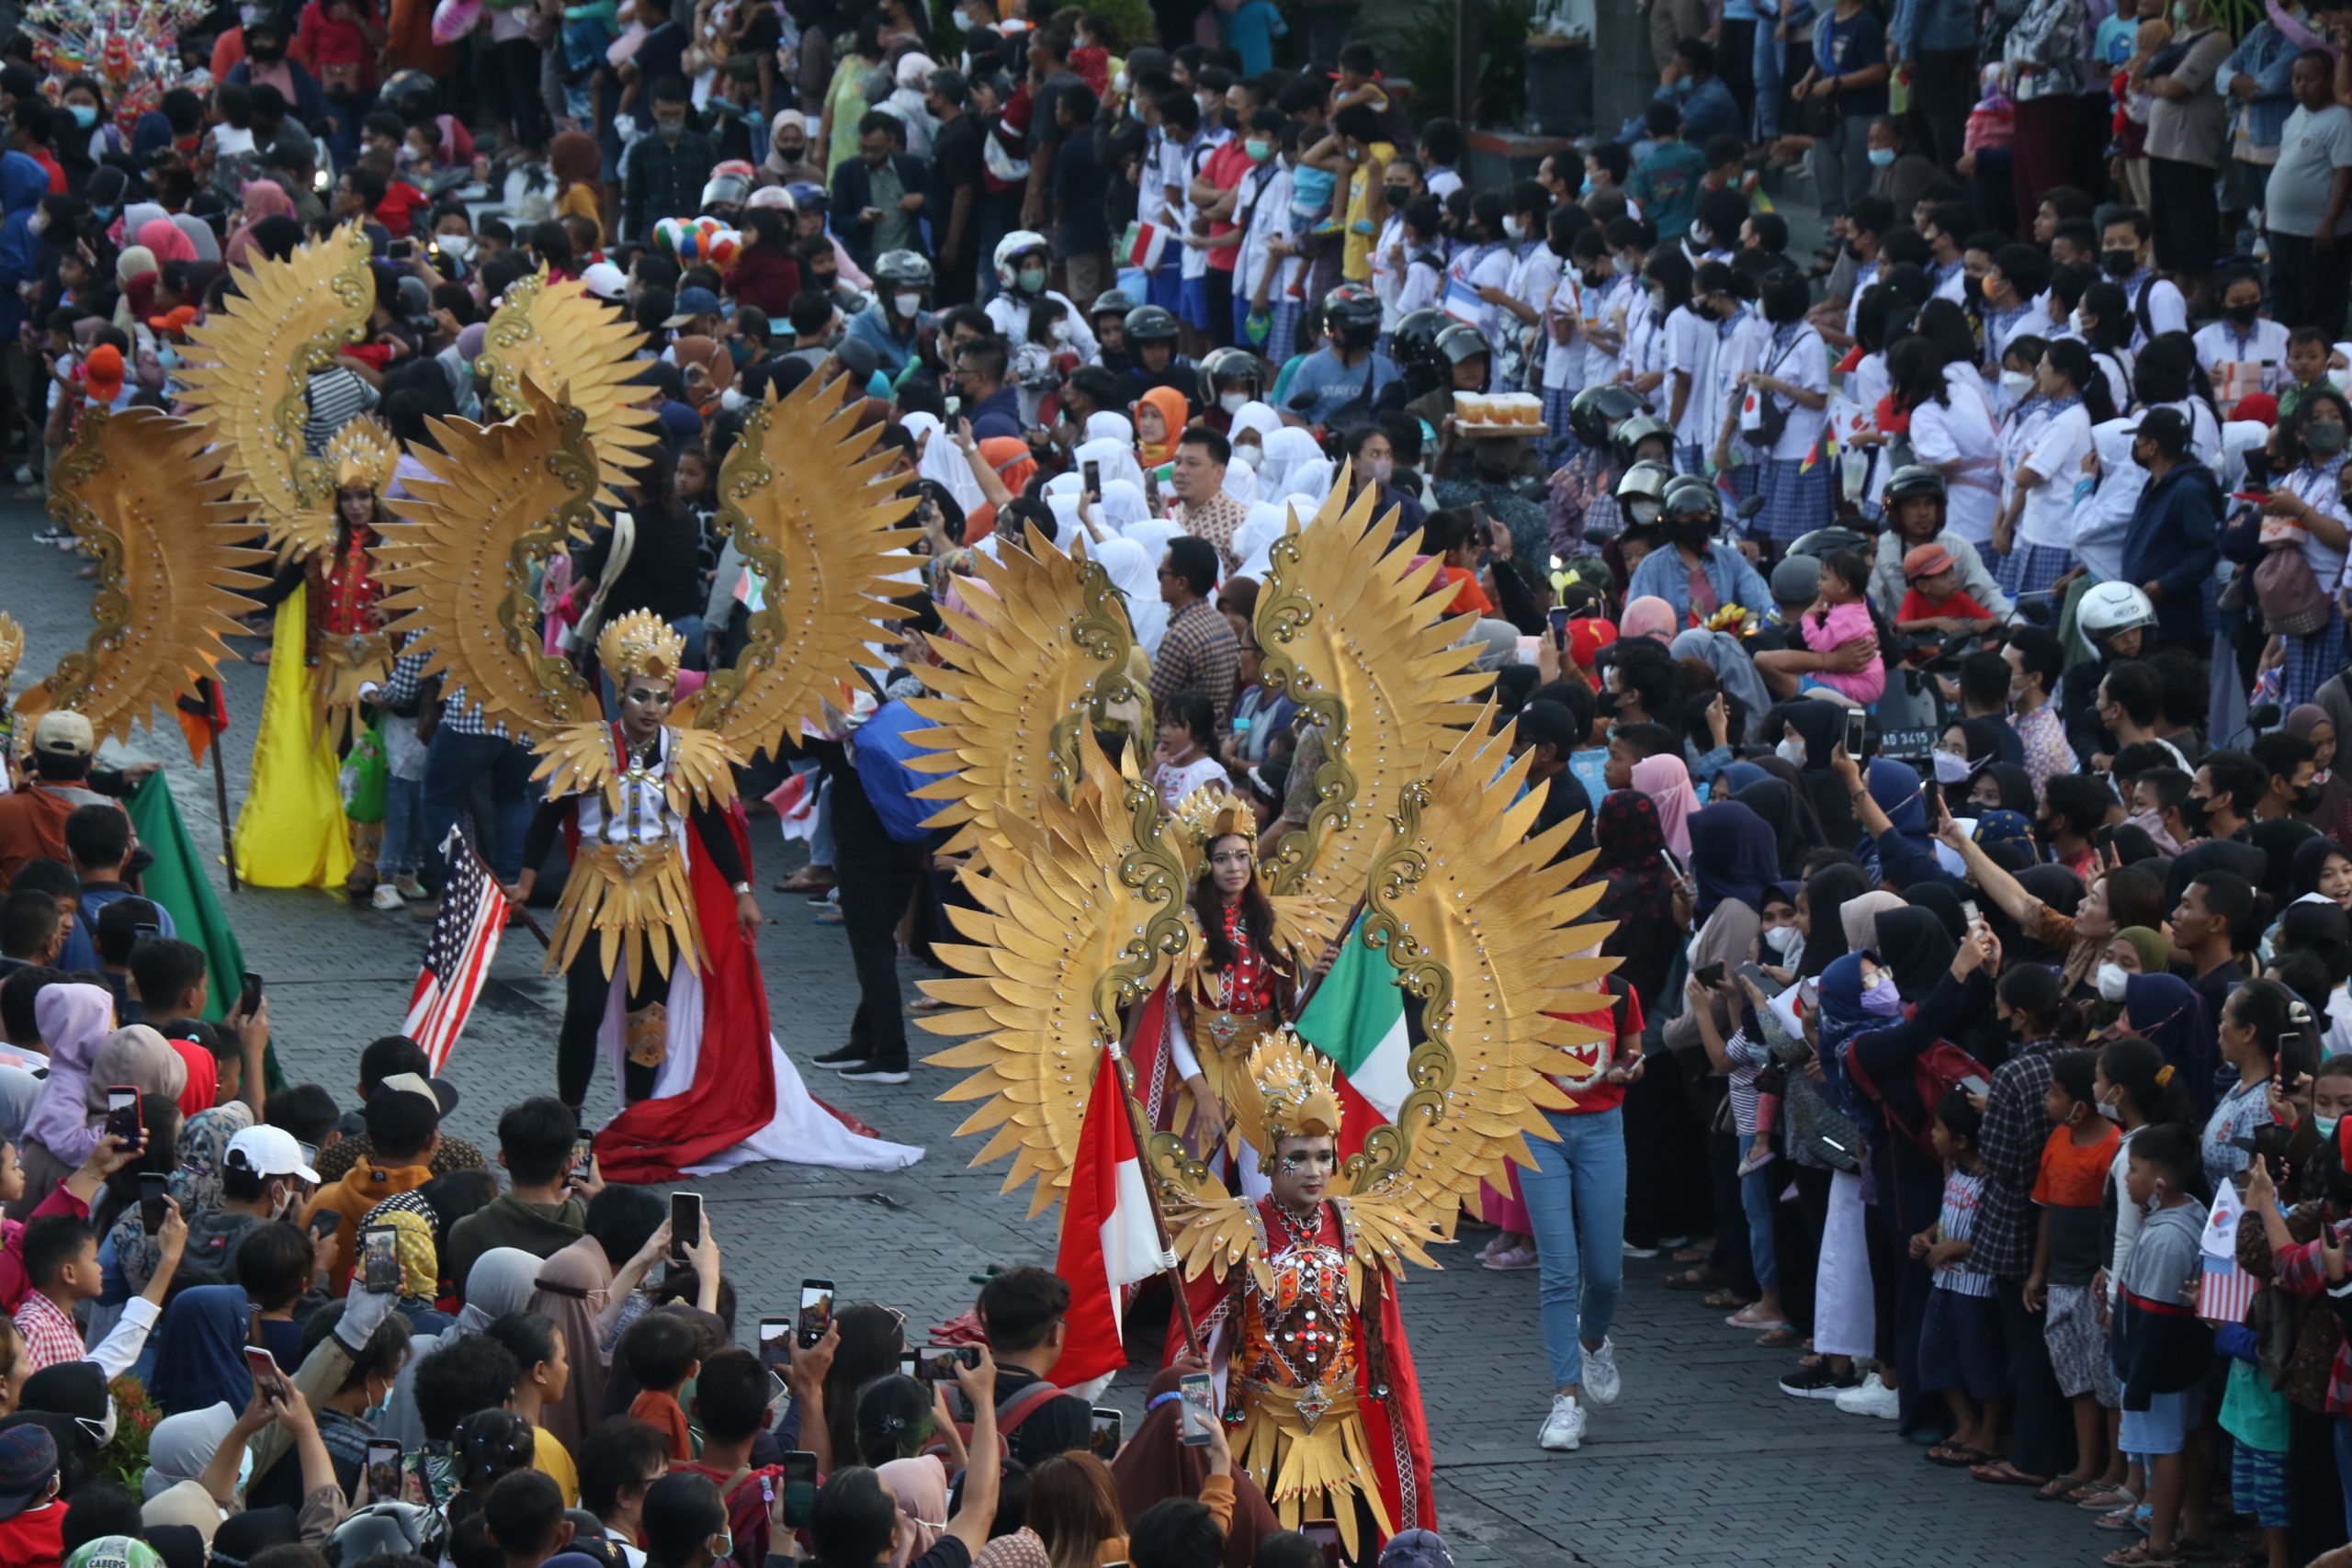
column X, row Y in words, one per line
column 1843, row 624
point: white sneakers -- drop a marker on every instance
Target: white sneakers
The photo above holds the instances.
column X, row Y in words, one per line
column 1871, row 1398
column 1564, row 1428
column 1600, row 1380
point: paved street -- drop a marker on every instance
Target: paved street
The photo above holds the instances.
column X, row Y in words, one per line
column 1702, row 1460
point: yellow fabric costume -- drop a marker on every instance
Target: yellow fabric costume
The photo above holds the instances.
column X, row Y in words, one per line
column 291, row 833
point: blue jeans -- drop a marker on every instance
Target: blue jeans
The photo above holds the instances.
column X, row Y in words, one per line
column 1756, row 1197
column 452, row 762
column 1575, row 1201
column 2344, row 1463
column 400, row 852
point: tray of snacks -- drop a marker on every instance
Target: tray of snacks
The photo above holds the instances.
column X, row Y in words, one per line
column 1498, row 413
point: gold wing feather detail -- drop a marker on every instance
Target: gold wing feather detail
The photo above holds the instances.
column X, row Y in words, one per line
column 558, row 335
column 12, row 648
column 1480, row 923
column 143, row 490
column 1043, row 649
column 803, row 495
column 1351, row 632
column 248, row 373
column 1076, row 920
column 497, row 498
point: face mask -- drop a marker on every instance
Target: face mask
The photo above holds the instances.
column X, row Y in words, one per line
column 670, row 130
column 1951, row 770
column 2195, row 813
column 1233, row 403
column 2307, row 800
column 2111, row 983
column 906, row 304
column 1783, row 939
column 2109, row 1109
column 2326, row 1125
column 2015, row 384
column 1882, row 156
column 1585, row 189
column 104, row 214
column 1791, row 751
column 1033, row 280
column 1595, row 278
column 1058, row 332
column 1259, row 149
column 38, row 223
column 1882, row 1000
column 1643, row 511
column 1973, row 290
column 1398, row 196
column 1701, row 236
column 733, row 399
column 2118, row 264
column 726, row 1545
column 1515, row 227
column 1249, row 456
column 460, row 246
column 2324, row 437
column 2244, row 315
column 84, row 114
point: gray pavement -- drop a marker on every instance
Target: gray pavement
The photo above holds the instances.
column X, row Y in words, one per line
column 1702, row 1460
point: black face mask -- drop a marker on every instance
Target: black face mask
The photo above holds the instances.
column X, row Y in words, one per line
column 2196, row 814
column 2244, row 315
column 1595, row 279
column 2306, row 800
column 1358, row 336
column 1973, row 290
column 2118, row 264
column 1604, row 703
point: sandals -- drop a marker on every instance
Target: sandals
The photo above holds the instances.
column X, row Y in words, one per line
column 2145, row 1554
column 1703, row 1277
column 2063, row 1487
column 1781, row 1338
column 2134, row 1518
column 2106, row 1499
column 1741, row 1320
column 2001, row 1472
column 1725, row 1300
column 1958, row 1455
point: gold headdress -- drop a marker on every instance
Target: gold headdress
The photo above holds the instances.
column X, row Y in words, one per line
column 640, row 643
column 1294, row 1095
column 146, row 491
column 362, row 454
column 1208, row 815
column 557, row 333
column 248, row 373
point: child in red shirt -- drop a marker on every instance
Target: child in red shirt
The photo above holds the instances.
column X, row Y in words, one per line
column 1936, row 602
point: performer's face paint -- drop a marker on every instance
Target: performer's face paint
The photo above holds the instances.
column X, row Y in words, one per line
column 1231, row 863
column 1303, row 1169
column 644, row 704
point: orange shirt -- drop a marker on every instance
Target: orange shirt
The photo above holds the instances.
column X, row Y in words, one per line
column 2073, row 1176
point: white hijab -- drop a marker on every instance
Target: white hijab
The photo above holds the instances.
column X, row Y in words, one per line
column 1253, row 541
column 1124, row 505
column 1110, row 426
column 1115, row 458
column 1135, row 575
column 1289, row 451
column 943, row 461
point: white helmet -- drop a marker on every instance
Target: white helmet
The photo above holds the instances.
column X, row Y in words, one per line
column 2112, row 607
column 1010, row 249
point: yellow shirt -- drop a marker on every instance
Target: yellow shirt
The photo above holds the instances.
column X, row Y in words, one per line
column 1355, row 262
column 554, row 1461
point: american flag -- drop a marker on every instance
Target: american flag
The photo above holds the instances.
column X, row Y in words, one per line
column 465, row 939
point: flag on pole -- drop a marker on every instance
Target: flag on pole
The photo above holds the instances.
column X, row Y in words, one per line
column 176, row 881
column 1109, row 1238
column 1357, row 1017
column 464, row 939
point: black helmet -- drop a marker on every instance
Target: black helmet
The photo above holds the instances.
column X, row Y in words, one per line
column 1462, row 340
column 1911, row 480
column 1829, row 542
column 1598, row 411
column 1414, row 343
column 1351, row 304
column 1638, row 429
column 1151, row 323
column 1691, row 499
column 386, row 1527
column 902, row 269
column 1111, row 303
column 1229, row 365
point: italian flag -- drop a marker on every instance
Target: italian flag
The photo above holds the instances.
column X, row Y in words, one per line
column 1109, row 1240
column 1356, row 1018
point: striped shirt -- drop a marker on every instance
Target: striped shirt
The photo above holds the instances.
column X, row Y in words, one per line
column 1957, row 1222
column 338, row 397
column 1746, row 1056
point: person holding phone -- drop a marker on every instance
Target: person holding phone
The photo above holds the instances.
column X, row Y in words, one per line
column 858, row 1518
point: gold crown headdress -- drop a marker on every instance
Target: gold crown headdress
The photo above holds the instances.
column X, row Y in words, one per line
column 362, row 454
column 1295, row 1094
column 640, row 643
column 1208, row 815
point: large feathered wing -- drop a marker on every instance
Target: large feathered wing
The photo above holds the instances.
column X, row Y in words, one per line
column 1078, row 918
column 1479, row 920
column 803, row 495
column 248, row 379
column 1041, row 649
column 495, row 499
column 143, row 489
column 555, row 332
column 1353, row 633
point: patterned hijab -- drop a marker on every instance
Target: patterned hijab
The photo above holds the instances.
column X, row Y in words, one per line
column 412, row 1219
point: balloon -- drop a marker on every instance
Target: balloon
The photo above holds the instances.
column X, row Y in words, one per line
column 453, row 19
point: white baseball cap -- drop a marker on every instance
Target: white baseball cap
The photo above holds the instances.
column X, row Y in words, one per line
column 269, row 1151
column 606, row 281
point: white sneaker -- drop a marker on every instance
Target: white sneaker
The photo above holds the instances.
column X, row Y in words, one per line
column 386, row 897
column 1564, row 1428
column 1600, row 1380
column 1872, row 1398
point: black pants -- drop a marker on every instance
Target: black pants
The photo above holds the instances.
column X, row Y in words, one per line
column 587, row 988
column 1666, row 1159
column 2041, row 1425
column 2308, row 288
column 1796, row 1242
column 518, row 61
column 1732, row 1256
column 1735, row 63
column 1942, row 92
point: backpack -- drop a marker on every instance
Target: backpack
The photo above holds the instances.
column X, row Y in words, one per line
column 1935, row 1072
column 2293, row 603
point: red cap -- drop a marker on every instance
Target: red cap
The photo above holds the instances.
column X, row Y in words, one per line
column 1588, row 637
column 102, row 373
column 2261, row 407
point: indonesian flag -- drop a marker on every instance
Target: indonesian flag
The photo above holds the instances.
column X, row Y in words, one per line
column 1143, row 245
column 1109, row 1240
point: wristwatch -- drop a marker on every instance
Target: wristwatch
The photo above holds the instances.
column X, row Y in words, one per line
column 740, row 889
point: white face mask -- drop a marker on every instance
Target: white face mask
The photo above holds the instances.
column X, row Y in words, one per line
column 1783, row 940
column 2109, row 1109
column 733, row 399
column 1791, row 751
column 1249, row 456
column 2111, row 982
column 2016, row 383
column 906, row 305
column 1951, row 770
column 1058, row 332
column 1515, row 226
column 1233, row 403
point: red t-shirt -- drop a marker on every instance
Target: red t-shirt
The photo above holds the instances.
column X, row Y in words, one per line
column 1592, row 1095
column 56, row 170
column 1223, row 168
column 1918, row 606
column 401, row 200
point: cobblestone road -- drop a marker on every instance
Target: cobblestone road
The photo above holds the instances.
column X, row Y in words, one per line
column 1702, row 1460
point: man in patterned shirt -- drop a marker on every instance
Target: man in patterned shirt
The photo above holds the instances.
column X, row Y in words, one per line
column 1202, row 508
column 1198, row 652
column 2035, row 660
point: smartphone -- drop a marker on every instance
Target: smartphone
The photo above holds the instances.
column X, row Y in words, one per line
column 1975, row 1085
column 323, row 1223
column 122, row 1116
column 310, row 1155
column 1709, row 974
column 815, row 1310
column 400, row 249
column 775, row 1342
column 1093, row 478
column 937, row 1363
column 584, row 1156
column 379, row 1259
column 1857, row 727
column 265, row 1373
column 799, row 1488
column 1199, row 1395
column 1968, row 912
column 383, row 1470
column 249, row 993
column 151, row 1199
column 954, row 407
column 685, row 1222
column 1102, row 1427
column 1324, row 1533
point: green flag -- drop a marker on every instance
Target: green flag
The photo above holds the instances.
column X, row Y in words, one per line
column 177, row 881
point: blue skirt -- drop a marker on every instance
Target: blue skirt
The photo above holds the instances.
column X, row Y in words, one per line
column 1796, row 502
column 1559, row 446
column 2311, row 661
column 2032, row 569
column 1282, row 340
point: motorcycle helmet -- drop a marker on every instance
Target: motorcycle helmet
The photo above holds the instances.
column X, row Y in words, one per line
column 1352, row 315
column 901, row 269
column 387, row 1528
column 1009, row 252
column 1690, row 498
column 1151, row 323
column 1462, row 340
column 1111, row 303
column 1224, row 366
column 1414, row 344
column 1641, row 493
column 730, row 185
column 2111, row 608
column 410, row 94
column 808, row 196
column 1829, row 542
column 1640, row 428
column 1910, row 481
column 1599, row 410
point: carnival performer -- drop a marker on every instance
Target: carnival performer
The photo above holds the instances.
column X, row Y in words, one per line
column 348, row 649
column 1244, row 982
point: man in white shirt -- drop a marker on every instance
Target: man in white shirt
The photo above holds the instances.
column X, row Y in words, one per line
column 2124, row 251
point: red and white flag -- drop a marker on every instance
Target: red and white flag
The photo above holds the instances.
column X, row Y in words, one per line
column 1109, row 1240
column 457, row 959
column 1143, row 245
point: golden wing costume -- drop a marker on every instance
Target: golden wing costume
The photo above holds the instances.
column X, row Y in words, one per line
column 248, row 377
column 555, row 332
column 140, row 488
column 348, row 637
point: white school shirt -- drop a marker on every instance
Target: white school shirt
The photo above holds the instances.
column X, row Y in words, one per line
column 1266, row 192
column 1481, row 266
column 1610, row 307
column 2318, row 490
column 2168, row 311
column 1962, row 431
column 1743, row 344
column 1387, row 281
column 2057, row 456
column 1689, row 349
column 2221, row 343
column 1564, row 363
column 1151, row 197
column 1646, row 353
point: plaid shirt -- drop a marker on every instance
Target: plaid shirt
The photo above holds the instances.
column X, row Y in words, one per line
column 2016, row 1127
column 2300, row 1269
column 460, row 717
column 1197, row 654
column 50, row 1333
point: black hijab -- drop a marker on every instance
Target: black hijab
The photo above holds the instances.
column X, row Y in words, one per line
column 1915, row 945
column 1824, row 896
column 2310, row 857
column 2213, row 855
column 1794, row 831
column 2278, row 839
column 2016, row 788
column 1942, row 900
column 1821, row 723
